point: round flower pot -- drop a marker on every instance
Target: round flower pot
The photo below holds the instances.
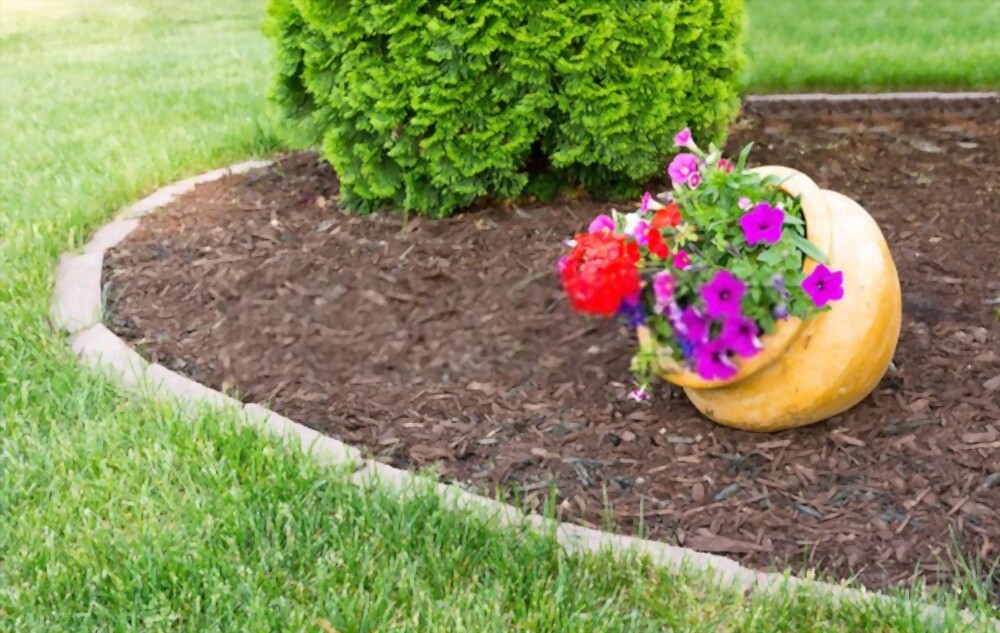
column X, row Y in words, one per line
column 810, row 371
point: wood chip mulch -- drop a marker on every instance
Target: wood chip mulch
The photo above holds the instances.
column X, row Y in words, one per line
column 449, row 345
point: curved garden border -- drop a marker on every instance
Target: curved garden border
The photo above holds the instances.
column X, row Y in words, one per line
column 77, row 309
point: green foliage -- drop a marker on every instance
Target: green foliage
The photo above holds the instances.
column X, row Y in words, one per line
column 426, row 105
column 713, row 213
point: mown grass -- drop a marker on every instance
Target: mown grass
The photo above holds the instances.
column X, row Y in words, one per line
column 874, row 44
column 122, row 515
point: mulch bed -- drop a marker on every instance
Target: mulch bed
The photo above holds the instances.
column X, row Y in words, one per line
column 449, row 344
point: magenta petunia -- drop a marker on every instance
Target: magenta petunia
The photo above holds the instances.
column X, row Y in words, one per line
column 663, row 290
column 763, row 224
column 713, row 360
column 682, row 167
column 682, row 261
column 741, row 335
column 693, row 325
column 824, row 285
column 636, row 228
column 683, row 138
column 723, row 295
column 602, row 223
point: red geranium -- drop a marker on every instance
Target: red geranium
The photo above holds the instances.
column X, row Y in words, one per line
column 600, row 272
column 656, row 245
column 669, row 215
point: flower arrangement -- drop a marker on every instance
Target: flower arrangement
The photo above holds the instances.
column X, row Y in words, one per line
column 707, row 269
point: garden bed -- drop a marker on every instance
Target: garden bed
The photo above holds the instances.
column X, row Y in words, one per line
column 449, row 344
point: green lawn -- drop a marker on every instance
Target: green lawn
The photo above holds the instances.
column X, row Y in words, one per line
column 874, row 44
column 122, row 515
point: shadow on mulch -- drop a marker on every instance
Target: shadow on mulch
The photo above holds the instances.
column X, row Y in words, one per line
column 450, row 343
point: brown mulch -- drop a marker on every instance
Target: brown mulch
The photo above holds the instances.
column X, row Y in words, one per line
column 449, row 344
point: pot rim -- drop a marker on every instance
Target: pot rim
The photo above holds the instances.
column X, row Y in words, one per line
column 819, row 231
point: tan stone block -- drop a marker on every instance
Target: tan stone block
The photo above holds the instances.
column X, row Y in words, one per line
column 110, row 235
column 76, row 299
column 98, row 348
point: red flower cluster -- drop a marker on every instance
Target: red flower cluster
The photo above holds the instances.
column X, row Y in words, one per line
column 669, row 215
column 656, row 244
column 600, row 272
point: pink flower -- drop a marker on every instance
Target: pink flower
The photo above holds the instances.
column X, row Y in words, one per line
column 725, row 165
column 694, row 180
column 740, row 335
column 663, row 290
column 824, row 286
column 744, row 203
column 683, row 138
column 763, row 224
column 647, row 199
column 640, row 395
column 602, row 223
column 682, row 261
column 713, row 360
column 682, row 167
column 723, row 295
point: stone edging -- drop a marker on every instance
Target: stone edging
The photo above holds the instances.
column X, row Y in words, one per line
column 875, row 96
column 76, row 309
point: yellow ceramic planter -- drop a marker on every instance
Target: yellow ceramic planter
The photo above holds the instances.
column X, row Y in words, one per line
column 814, row 370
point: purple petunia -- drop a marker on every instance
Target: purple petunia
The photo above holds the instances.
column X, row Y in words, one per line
column 713, row 360
column 602, row 223
column 740, row 334
column 824, row 285
column 723, row 295
column 693, row 325
column 763, row 224
column 687, row 347
column 682, row 167
column 633, row 311
column 779, row 284
column 780, row 312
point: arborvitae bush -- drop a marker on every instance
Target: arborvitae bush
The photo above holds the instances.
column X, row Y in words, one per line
column 425, row 105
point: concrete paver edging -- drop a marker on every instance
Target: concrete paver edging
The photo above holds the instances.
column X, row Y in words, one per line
column 77, row 309
column 876, row 96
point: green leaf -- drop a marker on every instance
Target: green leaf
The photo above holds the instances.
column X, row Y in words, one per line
column 741, row 162
column 771, row 256
column 808, row 248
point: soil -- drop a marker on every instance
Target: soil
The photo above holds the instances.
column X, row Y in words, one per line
column 449, row 345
